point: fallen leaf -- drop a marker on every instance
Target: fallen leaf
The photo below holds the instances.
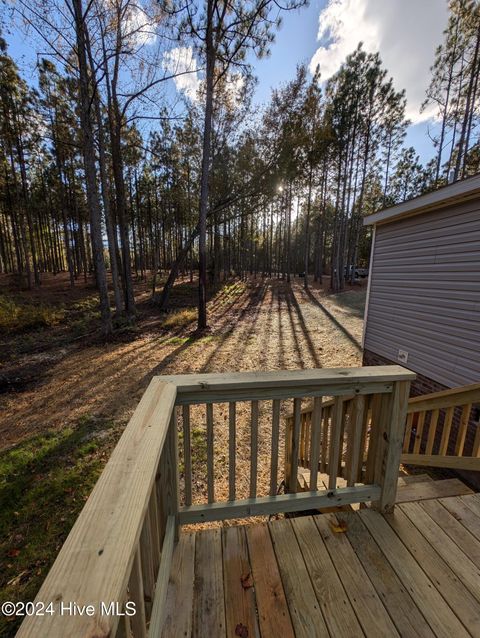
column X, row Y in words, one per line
column 339, row 528
column 15, row 581
column 247, row 581
column 241, row 630
column 13, row 553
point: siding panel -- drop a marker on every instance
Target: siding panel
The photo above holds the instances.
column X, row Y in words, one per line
column 425, row 293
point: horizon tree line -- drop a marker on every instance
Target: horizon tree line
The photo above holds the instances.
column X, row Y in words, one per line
column 101, row 175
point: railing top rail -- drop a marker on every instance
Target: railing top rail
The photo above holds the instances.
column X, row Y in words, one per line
column 95, row 561
column 445, row 399
column 218, row 387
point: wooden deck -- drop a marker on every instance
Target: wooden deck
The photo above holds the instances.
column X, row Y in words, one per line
column 412, row 573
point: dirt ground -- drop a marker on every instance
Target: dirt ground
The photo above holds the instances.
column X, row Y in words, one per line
column 255, row 325
column 61, row 380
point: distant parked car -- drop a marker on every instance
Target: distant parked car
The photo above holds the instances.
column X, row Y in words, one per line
column 360, row 273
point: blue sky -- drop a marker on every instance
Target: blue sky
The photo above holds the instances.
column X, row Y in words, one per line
column 405, row 32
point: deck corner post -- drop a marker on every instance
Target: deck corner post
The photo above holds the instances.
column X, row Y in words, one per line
column 391, row 434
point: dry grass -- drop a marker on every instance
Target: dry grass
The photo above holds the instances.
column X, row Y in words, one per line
column 18, row 317
column 262, row 326
column 180, row 318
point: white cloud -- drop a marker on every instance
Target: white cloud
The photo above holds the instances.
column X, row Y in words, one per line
column 181, row 60
column 137, row 27
column 404, row 32
column 235, row 86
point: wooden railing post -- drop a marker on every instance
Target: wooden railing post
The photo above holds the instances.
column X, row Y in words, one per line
column 391, row 431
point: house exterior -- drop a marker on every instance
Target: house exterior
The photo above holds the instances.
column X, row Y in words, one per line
column 423, row 302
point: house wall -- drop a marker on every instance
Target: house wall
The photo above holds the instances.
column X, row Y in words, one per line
column 425, row 295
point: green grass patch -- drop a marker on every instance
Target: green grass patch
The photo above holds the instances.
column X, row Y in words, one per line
column 235, row 289
column 44, row 483
column 16, row 317
column 180, row 341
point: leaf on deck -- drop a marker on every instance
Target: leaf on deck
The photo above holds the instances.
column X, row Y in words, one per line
column 340, row 527
column 247, row 581
column 241, row 630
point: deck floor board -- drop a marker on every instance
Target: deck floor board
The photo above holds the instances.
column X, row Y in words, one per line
column 178, row 614
column 240, row 611
column 410, row 574
column 307, row 618
column 331, row 595
column 273, row 614
column 368, row 607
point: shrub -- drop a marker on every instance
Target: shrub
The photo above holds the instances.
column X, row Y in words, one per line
column 15, row 316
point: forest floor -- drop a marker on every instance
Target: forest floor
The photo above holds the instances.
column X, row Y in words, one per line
column 65, row 396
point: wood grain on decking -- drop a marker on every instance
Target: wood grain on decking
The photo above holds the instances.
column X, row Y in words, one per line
column 414, row 573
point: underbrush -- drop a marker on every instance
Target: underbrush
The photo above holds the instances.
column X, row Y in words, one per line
column 44, row 483
column 180, row 318
column 16, row 317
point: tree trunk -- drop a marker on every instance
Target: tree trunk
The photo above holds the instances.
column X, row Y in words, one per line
column 207, row 140
column 90, row 173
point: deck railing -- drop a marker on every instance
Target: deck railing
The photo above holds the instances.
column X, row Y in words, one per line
column 437, row 426
column 120, row 549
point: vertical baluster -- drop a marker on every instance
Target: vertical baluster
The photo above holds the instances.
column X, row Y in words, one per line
column 432, row 431
column 146, row 559
column 346, row 408
column 293, row 478
column 210, row 466
column 408, row 433
column 288, row 451
column 447, row 426
column 462, row 430
column 155, row 530
column 161, row 506
column 327, row 412
column 363, row 443
column 336, row 433
column 274, row 454
column 187, row 455
column 254, row 449
column 355, row 438
column 232, row 446
column 123, row 628
column 476, row 443
column 308, row 428
column 382, row 443
column 419, row 432
column 301, row 455
column 169, row 481
column 316, row 423
column 373, row 439
column 135, row 587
